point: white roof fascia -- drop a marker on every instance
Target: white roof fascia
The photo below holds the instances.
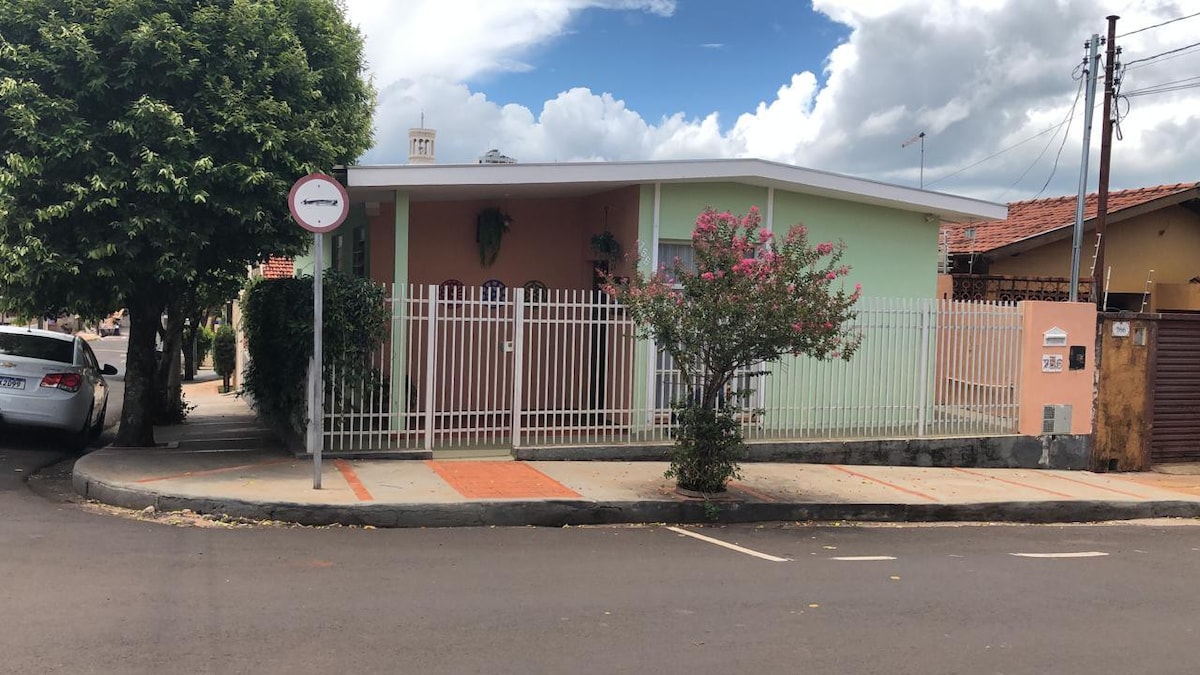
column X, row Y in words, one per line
column 752, row 171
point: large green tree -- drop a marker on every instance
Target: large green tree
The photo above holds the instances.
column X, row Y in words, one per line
column 148, row 144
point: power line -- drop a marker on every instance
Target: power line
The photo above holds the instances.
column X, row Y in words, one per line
column 1066, row 121
column 1173, row 85
column 1178, row 18
column 1166, row 53
column 1014, row 146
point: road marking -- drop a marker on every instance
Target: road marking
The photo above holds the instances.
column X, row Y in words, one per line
column 883, row 482
column 356, row 485
column 732, row 547
column 1013, row 482
column 1077, row 554
column 863, row 558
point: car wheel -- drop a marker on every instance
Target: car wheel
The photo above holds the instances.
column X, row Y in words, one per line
column 77, row 441
column 98, row 425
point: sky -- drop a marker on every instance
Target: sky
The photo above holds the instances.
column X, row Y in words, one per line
column 832, row 85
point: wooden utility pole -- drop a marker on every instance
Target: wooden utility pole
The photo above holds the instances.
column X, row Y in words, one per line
column 1110, row 57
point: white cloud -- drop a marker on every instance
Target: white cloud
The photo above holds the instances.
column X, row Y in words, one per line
column 976, row 76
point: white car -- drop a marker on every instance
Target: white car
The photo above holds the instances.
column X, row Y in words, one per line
column 53, row 381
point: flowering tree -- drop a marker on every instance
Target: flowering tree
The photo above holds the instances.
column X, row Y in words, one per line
column 749, row 300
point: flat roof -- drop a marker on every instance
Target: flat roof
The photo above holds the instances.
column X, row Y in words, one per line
column 434, row 182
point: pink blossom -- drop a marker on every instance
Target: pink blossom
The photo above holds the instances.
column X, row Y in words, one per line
column 827, row 325
column 707, row 276
column 825, row 248
column 857, row 289
column 831, row 276
column 797, row 327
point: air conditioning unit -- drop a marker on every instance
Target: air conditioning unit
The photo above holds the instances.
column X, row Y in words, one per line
column 1056, row 419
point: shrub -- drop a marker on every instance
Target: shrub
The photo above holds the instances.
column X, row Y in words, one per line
column 225, row 353
column 278, row 321
column 749, row 300
column 204, row 342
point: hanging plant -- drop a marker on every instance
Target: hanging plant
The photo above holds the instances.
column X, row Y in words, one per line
column 605, row 246
column 490, row 225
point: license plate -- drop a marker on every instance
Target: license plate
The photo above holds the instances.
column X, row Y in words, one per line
column 12, row 383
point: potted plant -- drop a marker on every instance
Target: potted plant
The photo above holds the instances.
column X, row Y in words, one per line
column 490, row 226
column 605, row 246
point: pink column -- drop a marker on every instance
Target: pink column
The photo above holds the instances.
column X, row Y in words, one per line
column 1040, row 388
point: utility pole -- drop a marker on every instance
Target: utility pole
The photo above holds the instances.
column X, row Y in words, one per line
column 1110, row 59
column 1090, row 72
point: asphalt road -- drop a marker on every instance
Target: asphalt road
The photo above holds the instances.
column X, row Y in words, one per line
column 93, row 590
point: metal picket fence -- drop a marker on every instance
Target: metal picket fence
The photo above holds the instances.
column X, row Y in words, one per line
column 492, row 367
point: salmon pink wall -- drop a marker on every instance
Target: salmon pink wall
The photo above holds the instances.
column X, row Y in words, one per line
column 549, row 239
column 382, row 238
column 1072, row 387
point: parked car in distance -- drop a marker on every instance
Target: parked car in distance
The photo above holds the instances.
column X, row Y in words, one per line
column 53, row 381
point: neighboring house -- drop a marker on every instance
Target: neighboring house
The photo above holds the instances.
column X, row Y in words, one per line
column 275, row 267
column 1152, row 250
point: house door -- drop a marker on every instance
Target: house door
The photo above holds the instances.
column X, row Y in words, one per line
column 1175, row 426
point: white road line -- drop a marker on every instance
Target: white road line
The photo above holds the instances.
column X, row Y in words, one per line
column 1077, row 554
column 863, row 558
column 732, row 547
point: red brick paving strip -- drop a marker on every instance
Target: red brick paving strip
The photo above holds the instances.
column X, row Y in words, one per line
column 352, row 480
column 499, row 480
column 884, row 482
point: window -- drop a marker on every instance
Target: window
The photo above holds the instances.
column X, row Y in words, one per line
column 668, row 251
column 37, row 347
column 359, row 264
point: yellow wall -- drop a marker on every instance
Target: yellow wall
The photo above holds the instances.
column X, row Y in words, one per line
column 1167, row 241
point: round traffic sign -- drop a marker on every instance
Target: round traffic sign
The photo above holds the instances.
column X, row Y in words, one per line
column 319, row 203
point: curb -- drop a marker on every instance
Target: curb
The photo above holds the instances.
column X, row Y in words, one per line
column 560, row 513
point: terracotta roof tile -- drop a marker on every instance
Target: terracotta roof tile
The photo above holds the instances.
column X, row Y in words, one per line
column 1039, row 216
column 278, row 268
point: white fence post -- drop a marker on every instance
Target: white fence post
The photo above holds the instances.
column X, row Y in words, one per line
column 518, row 364
column 430, row 364
column 923, row 370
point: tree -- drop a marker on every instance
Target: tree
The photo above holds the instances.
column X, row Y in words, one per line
column 146, row 145
column 748, row 301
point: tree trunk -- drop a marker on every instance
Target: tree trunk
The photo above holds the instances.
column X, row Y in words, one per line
column 169, row 386
column 137, row 425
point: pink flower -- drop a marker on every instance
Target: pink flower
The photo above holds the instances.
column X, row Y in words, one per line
column 857, row 289
column 831, row 276
column 827, row 325
column 707, row 276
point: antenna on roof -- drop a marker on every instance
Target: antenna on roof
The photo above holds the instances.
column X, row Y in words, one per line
column 914, row 139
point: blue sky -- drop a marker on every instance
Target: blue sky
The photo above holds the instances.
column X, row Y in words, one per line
column 833, row 85
column 710, row 55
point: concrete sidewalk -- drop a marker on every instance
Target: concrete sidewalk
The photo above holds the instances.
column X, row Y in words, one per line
column 224, row 462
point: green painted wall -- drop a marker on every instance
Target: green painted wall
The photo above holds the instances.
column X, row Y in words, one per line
column 682, row 202
column 401, row 244
column 891, row 253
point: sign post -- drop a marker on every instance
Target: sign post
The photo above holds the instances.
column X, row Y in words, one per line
column 319, row 204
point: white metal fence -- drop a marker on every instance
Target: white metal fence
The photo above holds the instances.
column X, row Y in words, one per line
column 498, row 368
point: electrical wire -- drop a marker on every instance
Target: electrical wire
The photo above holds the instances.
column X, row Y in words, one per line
column 1160, row 55
column 1049, row 142
column 1178, row 18
column 1063, row 144
column 1173, row 85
